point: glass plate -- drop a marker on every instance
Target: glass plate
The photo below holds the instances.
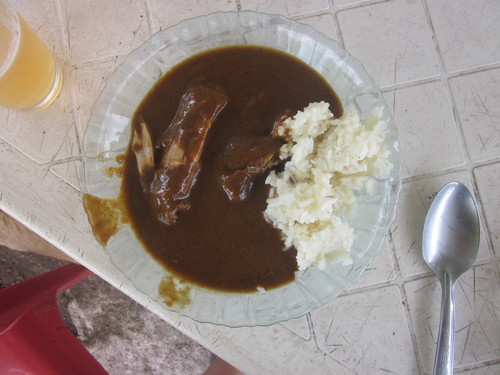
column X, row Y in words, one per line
column 108, row 134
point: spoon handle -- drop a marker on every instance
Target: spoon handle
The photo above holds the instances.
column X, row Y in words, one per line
column 443, row 364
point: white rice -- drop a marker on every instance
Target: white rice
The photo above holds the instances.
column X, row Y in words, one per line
column 330, row 160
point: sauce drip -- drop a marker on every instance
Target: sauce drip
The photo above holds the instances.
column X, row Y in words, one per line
column 106, row 216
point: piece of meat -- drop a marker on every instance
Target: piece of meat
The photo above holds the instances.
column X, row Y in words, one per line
column 198, row 108
column 170, row 189
column 245, row 158
column 255, row 153
column 182, row 145
column 238, row 184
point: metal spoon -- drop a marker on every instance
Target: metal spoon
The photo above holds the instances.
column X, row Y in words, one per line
column 449, row 245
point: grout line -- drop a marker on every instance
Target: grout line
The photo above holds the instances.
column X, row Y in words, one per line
column 440, row 77
column 477, row 69
column 340, row 34
column 64, row 29
column 336, row 27
column 478, row 365
column 412, row 331
column 149, row 16
column 483, row 223
column 314, row 13
column 60, row 28
column 362, row 4
column 454, row 169
column 449, row 93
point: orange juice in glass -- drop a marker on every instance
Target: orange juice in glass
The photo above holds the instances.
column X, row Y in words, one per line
column 30, row 75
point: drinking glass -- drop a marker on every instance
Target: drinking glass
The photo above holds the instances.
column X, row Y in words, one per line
column 30, row 74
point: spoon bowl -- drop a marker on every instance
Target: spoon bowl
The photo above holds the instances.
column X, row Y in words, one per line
column 449, row 245
column 451, row 231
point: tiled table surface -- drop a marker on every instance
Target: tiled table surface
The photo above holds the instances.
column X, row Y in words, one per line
column 438, row 63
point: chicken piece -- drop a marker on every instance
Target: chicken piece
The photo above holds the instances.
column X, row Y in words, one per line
column 182, row 143
column 246, row 157
column 255, row 153
column 198, row 108
column 238, row 184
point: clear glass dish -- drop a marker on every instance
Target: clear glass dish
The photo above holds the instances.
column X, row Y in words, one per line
column 108, row 134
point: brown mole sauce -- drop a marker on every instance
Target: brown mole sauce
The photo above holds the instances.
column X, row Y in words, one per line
column 217, row 243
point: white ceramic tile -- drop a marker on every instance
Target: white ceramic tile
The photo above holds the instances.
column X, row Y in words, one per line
column 69, row 172
column 164, row 14
column 324, row 23
column 97, row 29
column 43, row 17
column 467, row 33
column 88, row 83
column 428, row 134
column 289, row 8
column 299, row 327
column 367, row 333
column 477, row 102
column 415, row 200
column 487, row 180
column 477, row 307
column 380, row 270
column 391, row 39
column 46, row 135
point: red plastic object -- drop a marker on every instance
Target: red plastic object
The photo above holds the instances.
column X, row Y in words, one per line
column 33, row 337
